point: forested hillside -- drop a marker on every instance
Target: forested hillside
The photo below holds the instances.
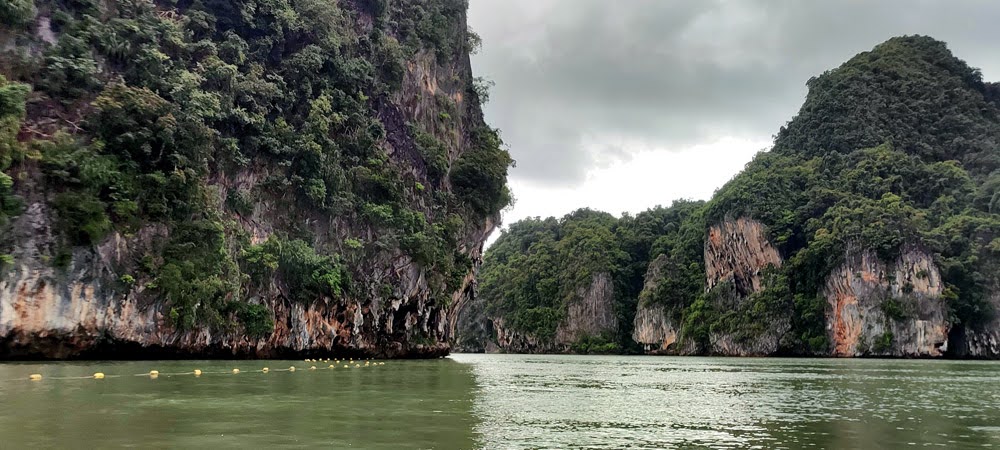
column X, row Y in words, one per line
column 870, row 228
column 240, row 178
column 587, row 264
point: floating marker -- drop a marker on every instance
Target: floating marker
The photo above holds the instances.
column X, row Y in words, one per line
column 35, row 377
column 291, row 369
column 312, row 368
column 197, row 372
column 345, row 366
column 154, row 373
column 357, row 365
column 331, row 366
column 236, row 371
column 98, row 376
column 265, row 370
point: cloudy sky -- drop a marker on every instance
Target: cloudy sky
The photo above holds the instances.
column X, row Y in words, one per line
column 622, row 105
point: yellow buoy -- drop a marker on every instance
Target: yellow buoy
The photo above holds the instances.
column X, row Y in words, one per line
column 98, row 376
column 345, row 366
column 197, row 372
column 236, row 371
column 35, row 377
column 305, row 360
column 154, row 373
column 331, row 366
column 312, row 368
column 265, row 370
column 291, row 369
column 357, row 365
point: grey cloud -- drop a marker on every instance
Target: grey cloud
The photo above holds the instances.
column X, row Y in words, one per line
column 575, row 76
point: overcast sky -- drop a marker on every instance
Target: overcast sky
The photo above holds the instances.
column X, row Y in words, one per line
column 622, row 105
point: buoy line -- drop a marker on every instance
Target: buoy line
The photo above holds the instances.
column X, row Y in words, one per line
column 154, row 374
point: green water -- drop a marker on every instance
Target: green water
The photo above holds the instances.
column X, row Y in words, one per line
column 507, row 401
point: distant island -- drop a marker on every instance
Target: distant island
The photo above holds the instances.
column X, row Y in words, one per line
column 870, row 229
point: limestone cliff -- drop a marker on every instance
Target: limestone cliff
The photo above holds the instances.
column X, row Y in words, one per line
column 370, row 155
column 880, row 309
column 652, row 328
column 981, row 341
column 655, row 331
column 738, row 251
column 590, row 313
column 875, row 309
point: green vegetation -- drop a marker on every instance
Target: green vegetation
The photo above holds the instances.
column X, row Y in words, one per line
column 16, row 12
column 883, row 343
column 12, row 103
column 537, row 268
column 596, row 345
column 307, row 275
column 190, row 117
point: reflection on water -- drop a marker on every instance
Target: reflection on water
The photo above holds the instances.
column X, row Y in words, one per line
column 657, row 402
column 508, row 401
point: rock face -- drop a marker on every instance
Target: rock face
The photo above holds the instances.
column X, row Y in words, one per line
column 86, row 308
column 592, row 314
column 589, row 314
column 83, row 311
column 982, row 340
column 877, row 309
column 736, row 254
column 652, row 328
column 657, row 333
column 508, row 340
column 738, row 251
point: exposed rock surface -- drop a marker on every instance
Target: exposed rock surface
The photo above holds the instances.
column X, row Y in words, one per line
column 652, row 328
column 877, row 309
column 738, row 251
column 657, row 333
column 592, row 314
column 508, row 340
column 736, row 254
column 982, row 340
column 589, row 314
column 83, row 311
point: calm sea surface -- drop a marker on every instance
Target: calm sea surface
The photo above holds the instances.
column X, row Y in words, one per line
column 505, row 401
